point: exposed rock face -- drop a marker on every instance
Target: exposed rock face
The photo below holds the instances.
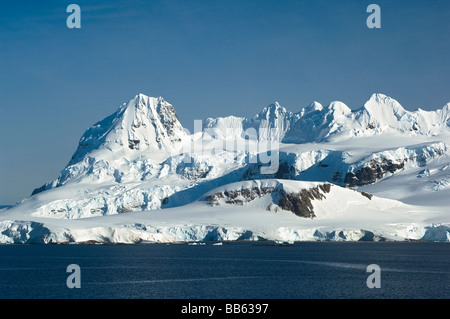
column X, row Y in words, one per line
column 287, row 169
column 239, row 197
column 300, row 203
column 39, row 190
column 371, row 173
column 133, row 144
column 327, row 165
column 369, row 196
column 169, row 120
column 140, row 157
column 142, row 126
column 142, row 123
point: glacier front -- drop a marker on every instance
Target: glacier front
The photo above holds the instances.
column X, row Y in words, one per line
column 374, row 173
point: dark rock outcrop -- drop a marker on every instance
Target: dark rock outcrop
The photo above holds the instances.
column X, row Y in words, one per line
column 369, row 196
column 39, row 190
column 301, row 203
column 371, row 173
column 239, row 197
column 133, row 144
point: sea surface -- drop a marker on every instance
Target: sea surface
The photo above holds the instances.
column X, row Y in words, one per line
column 258, row 270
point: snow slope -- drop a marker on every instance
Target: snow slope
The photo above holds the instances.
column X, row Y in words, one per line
column 138, row 175
column 336, row 121
column 340, row 214
column 379, row 115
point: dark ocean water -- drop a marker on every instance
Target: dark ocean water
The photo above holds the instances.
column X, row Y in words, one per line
column 233, row 270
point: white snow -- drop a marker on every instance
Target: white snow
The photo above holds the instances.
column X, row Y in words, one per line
column 138, row 176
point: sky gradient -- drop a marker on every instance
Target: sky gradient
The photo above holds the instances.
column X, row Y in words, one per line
column 208, row 58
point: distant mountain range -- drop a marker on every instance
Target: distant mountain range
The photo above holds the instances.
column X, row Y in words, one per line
column 329, row 163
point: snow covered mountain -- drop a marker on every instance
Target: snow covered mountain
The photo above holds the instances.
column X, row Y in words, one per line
column 140, row 161
column 272, row 123
column 379, row 115
column 140, row 127
column 316, row 123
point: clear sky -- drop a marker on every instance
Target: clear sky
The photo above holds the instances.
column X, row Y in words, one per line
column 208, row 58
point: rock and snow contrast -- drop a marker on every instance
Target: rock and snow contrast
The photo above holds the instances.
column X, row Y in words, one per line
column 322, row 173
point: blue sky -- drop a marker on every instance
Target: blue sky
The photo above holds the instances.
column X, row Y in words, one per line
column 208, row 58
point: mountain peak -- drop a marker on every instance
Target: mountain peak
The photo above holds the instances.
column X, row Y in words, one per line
column 339, row 108
column 314, row 106
column 378, row 97
column 379, row 100
column 384, row 109
column 144, row 98
column 271, row 111
column 142, row 123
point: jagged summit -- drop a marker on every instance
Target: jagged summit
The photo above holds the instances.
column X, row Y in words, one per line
column 271, row 112
column 317, row 123
column 151, row 124
column 379, row 101
column 313, row 107
column 383, row 110
column 382, row 113
column 272, row 122
column 141, row 135
column 143, row 123
column 139, row 159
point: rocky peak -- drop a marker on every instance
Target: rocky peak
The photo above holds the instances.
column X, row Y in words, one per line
column 384, row 108
column 142, row 123
column 271, row 112
column 272, row 122
column 313, row 107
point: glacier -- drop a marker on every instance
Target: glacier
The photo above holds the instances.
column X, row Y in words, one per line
column 139, row 176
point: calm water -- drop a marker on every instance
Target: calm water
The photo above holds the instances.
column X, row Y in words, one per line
column 235, row 270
